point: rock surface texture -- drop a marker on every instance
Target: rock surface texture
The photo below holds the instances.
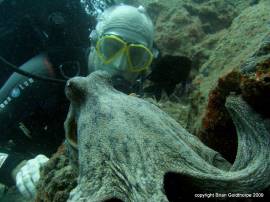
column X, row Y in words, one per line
column 189, row 28
column 127, row 146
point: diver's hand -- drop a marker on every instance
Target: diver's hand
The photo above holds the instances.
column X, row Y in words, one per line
column 28, row 176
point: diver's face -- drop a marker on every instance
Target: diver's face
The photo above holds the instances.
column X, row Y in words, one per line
column 118, row 68
column 118, row 65
column 122, row 56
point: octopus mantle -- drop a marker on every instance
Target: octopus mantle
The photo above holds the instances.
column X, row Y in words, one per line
column 126, row 147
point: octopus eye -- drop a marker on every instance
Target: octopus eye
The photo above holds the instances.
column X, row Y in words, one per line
column 74, row 89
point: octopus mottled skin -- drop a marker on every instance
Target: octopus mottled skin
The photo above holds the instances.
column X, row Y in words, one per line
column 126, row 147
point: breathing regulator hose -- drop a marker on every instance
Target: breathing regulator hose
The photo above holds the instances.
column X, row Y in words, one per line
column 27, row 74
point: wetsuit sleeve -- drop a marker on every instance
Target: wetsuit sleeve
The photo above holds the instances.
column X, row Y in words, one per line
column 20, row 95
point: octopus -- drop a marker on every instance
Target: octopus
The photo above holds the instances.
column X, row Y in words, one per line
column 127, row 149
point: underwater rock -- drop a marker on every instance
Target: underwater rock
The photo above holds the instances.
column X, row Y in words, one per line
column 244, row 42
column 249, row 54
column 181, row 25
column 256, row 92
column 260, row 60
column 130, row 150
column 218, row 131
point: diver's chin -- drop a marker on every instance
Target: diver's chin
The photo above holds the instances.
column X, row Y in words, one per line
column 121, row 84
column 113, row 71
column 120, row 72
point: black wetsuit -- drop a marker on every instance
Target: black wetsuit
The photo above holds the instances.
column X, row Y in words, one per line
column 54, row 34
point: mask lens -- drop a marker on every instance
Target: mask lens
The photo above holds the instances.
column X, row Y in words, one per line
column 139, row 57
column 109, row 47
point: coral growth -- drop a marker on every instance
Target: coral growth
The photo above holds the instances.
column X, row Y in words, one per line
column 256, row 92
column 57, row 179
column 217, row 130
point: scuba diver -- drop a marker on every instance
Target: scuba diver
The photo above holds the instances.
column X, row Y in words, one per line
column 121, row 44
column 32, row 111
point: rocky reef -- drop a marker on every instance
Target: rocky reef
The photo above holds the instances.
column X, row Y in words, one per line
column 193, row 28
column 240, row 41
column 235, row 49
column 217, row 129
column 58, row 178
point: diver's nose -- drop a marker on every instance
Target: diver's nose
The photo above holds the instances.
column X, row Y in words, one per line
column 120, row 62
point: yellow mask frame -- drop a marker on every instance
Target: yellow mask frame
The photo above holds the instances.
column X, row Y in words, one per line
column 125, row 48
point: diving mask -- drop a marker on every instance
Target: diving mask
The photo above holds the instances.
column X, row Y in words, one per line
column 110, row 47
